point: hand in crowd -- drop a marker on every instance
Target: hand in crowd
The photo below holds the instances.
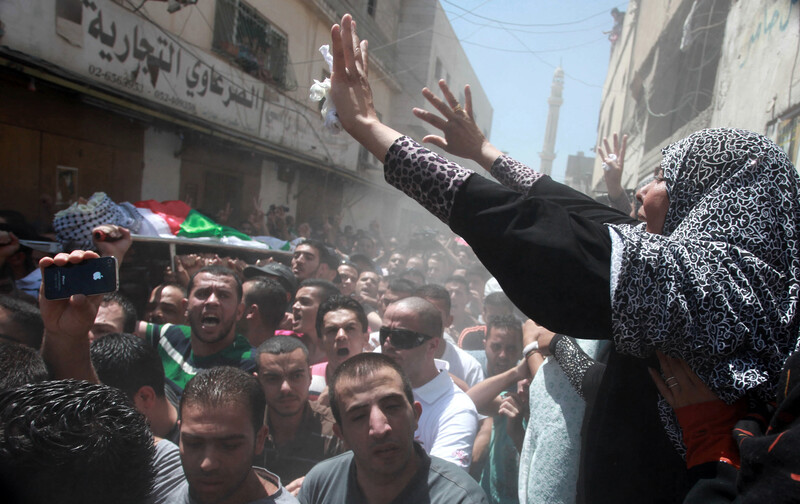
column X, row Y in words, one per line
column 511, row 407
column 294, row 487
column 679, row 385
column 256, row 217
column 462, row 136
column 72, row 317
column 112, row 240
column 65, row 346
column 614, row 160
column 224, row 214
column 531, row 331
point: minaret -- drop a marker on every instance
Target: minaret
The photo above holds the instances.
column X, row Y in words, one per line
column 548, row 153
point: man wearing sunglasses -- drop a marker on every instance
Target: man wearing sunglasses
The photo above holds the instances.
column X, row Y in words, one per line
column 410, row 335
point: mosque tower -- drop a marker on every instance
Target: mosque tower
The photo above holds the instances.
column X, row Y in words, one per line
column 548, row 153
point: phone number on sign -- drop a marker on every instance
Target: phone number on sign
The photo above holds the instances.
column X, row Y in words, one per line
column 119, row 80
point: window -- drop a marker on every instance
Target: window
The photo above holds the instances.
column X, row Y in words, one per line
column 371, row 7
column 438, row 71
column 244, row 36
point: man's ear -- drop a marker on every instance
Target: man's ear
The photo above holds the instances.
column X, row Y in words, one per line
column 417, row 407
column 251, row 312
column 239, row 311
column 144, row 398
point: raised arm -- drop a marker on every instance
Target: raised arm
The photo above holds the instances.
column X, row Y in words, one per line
column 65, row 346
column 351, row 92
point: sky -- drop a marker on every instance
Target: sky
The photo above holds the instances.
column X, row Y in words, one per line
column 515, row 46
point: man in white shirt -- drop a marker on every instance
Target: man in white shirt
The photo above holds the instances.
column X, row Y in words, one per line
column 460, row 364
column 411, row 335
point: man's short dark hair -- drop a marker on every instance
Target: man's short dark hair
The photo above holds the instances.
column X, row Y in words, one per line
column 160, row 288
column 499, row 300
column 361, row 366
column 71, row 441
column 128, row 310
column 401, row 286
column 327, row 289
column 225, row 385
column 326, row 256
column 281, row 344
column 366, row 263
column 339, row 302
column 509, row 322
column 270, row 297
column 25, row 316
column 127, row 362
column 437, row 293
column 217, row 270
column 20, row 365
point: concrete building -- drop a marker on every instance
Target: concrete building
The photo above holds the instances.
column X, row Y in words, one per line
column 578, row 174
column 208, row 102
column 683, row 66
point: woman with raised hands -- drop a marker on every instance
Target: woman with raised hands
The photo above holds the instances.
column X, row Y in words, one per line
column 712, row 277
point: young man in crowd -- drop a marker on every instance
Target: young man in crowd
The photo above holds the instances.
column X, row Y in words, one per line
column 116, row 314
column 459, row 363
column 312, row 259
column 494, row 305
column 376, row 415
column 222, row 430
column 498, row 396
column 128, row 363
column 310, row 295
column 20, row 322
column 300, row 431
column 411, row 335
column 343, row 330
column 265, row 303
column 348, row 276
column 458, row 287
column 20, row 365
column 73, row 442
column 214, row 307
column 167, row 305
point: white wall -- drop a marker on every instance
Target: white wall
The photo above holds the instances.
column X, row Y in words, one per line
column 162, row 169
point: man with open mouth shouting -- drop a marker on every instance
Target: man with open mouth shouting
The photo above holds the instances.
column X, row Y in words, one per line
column 214, row 307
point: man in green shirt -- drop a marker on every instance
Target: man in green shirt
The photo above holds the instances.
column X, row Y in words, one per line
column 210, row 339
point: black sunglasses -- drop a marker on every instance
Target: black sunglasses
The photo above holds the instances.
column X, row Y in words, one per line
column 403, row 339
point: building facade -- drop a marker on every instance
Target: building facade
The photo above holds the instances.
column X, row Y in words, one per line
column 683, row 66
column 206, row 102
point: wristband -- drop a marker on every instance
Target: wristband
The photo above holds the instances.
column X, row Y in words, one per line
column 531, row 347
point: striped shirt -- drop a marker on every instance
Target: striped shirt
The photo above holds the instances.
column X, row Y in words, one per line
column 174, row 345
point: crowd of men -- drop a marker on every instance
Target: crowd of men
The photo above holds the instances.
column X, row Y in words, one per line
column 337, row 378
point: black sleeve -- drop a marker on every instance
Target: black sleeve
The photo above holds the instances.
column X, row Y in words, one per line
column 583, row 372
column 551, row 253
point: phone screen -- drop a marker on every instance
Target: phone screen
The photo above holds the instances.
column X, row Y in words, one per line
column 93, row 276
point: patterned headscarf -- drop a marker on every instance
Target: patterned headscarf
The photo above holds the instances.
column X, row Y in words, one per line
column 720, row 287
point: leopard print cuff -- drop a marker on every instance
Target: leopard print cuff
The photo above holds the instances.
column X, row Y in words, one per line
column 514, row 175
column 425, row 176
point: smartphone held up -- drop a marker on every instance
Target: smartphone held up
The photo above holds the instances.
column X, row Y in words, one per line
column 90, row 277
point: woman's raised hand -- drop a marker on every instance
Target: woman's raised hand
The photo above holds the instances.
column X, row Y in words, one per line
column 462, row 136
column 351, row 92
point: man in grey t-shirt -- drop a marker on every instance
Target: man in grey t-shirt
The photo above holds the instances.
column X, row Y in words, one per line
column 222, row 429
column 376, row 415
